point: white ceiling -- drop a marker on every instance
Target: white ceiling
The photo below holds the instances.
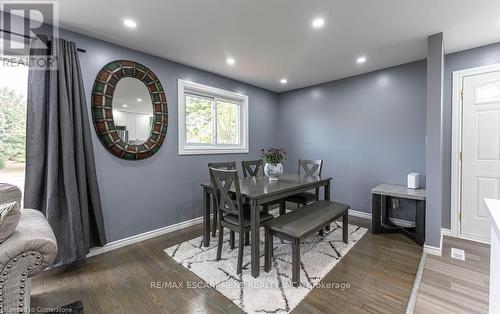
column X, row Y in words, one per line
column 272, row 39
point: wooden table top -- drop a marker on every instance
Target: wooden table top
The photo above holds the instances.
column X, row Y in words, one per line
column 257, row 187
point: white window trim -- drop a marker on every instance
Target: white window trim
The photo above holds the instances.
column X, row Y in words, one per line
column 184, row 87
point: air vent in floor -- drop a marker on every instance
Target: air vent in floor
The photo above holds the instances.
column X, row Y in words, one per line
column 458, row 254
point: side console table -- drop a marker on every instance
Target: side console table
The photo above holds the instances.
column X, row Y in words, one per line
column 381, row 223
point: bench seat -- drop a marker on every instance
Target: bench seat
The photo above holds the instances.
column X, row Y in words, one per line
column 306, row 220
column 300, row 223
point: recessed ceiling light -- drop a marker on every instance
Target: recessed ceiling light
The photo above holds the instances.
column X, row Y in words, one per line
column 361, row 60
column 124, row 106
column 230, row 61
column 129, row 23
column 139, row 99
column 283, row 81
column 318, row 22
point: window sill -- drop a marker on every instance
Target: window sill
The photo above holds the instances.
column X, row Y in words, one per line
column 212, row 151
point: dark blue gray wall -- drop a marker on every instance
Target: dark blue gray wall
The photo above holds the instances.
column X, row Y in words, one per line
column 139, row 196
column 454, row 62
column 369, row 129
column 434, row 132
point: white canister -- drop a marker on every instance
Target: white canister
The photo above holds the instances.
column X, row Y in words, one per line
column 413, row 181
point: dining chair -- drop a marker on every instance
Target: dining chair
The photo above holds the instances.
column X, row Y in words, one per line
column 228, row 165
column 308, row 168
column 252, row 168
column 233, row 214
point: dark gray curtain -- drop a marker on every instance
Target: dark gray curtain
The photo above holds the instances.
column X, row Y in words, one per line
column 61, row 177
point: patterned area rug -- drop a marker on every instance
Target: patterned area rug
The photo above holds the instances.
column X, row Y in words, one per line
column 271, row 292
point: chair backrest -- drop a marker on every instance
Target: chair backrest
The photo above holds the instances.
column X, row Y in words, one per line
column 251, row 168
column 311, row 167
column 222, row 180
column 227, row 165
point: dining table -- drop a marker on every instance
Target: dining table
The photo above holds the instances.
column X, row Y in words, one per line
column 258, row 191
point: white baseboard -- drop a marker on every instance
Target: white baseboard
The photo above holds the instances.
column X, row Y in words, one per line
column 144, row 236
column 434, row 250
column 360, row 214
column 446, row 232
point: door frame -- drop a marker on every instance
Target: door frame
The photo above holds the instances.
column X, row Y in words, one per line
column 456, row 148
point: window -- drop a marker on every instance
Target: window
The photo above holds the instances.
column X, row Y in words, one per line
column 13, row 92
column 211, row 120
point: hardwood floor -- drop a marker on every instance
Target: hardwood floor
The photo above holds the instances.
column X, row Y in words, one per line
column 454, row 286
column 380, row 270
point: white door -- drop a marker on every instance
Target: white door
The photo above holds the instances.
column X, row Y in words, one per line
column 480, row 152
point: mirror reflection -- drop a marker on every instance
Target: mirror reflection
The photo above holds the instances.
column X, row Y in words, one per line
column 132, row 111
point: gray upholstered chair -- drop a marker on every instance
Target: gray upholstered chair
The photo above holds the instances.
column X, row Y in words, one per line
column 26, row 252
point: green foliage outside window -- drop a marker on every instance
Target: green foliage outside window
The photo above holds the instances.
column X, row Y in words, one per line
column 227, row 123
column 200, row 124
column 12, row 126
column 198, row 120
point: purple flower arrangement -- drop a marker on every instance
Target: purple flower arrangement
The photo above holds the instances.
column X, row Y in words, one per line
column 273, row 155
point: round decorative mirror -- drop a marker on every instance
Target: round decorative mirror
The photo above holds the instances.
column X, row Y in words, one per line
column 129, row 109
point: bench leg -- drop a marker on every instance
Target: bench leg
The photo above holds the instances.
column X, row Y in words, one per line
column 231, row 239
column 345, row 227
column 268, row 251
column 296, row 263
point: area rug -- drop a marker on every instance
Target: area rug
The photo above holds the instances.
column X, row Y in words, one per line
column 271, row 292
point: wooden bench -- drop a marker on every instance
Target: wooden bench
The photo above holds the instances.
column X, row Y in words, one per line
column 301, row 223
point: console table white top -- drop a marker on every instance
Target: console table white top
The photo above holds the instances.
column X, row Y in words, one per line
column 399, row 191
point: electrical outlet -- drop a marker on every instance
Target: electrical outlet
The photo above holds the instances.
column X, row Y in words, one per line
column 458, row 254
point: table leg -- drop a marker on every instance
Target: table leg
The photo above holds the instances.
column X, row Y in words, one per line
column 327, row 198
column 282, row 207
column 206, row 217
column 327, row 191
column 255, row 243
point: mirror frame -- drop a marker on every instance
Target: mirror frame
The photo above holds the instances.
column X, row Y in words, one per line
column 102, row 109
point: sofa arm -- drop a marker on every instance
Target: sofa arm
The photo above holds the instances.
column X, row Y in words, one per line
column 29, row 250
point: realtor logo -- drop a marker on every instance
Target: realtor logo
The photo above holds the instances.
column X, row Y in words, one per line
column 22, row 24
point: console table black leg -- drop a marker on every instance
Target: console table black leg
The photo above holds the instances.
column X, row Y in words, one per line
column 420, row 223
column 376, row 210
